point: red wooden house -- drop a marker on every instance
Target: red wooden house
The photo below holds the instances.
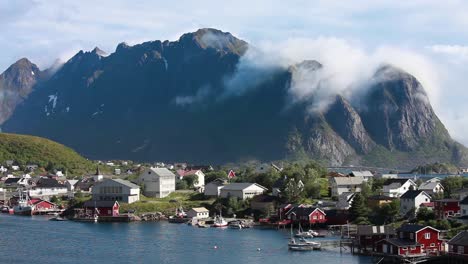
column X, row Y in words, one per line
column 102, row 208
column 412, row 240
column 41, row 206
column 459, row 244
column 306, row 215
column 446, row 207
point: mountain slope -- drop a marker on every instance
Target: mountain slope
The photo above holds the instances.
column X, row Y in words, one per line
column 43, row 152
column 175, row 101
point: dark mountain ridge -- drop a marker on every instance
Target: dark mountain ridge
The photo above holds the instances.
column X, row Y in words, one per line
column 165, row 101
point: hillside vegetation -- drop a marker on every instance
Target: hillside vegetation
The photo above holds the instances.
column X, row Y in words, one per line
column 40, row 151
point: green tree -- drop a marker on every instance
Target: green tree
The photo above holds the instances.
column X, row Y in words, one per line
column 451, row 184
column 312, row 189
column 54, row 199
column 424, row 214
column 182, row 185
column 293, row 190
column 366, row 190
column 213, row 175
column 358, row 208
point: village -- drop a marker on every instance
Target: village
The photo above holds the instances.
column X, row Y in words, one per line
column 390, row 216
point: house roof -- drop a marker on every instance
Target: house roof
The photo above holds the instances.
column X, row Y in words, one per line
column 239, row 186
column 362, row 173
column 447, row 200
column 375, row 230
column 396, row 181
column 49, row 183
column 183, row 173
column 401, row 242
column 162, row 172
column 92, row 203
column 124, row 182
column 349, row 180
column 217, row 182
column 303, row 211
column 200, row 209
column 461, row 239
column 429, row 185
column 380, row 197
column 464, row 201
column 411, row 228
column 11, row 180
column 411, row 194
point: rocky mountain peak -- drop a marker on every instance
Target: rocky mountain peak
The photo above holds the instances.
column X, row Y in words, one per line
column 215, row 39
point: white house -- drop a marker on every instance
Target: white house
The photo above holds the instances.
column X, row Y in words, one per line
column 198, row 212
column 432, row 188
column 46, row 188
column 413, row 199
column 397, row 187
column 341, row 185
column 345, row 200
column 367, row 175
column 197, row 173
column 242, row 190
column 157, row 182
column 71, row 184
column 15, row 167
column 213, row 188
column 116, row 190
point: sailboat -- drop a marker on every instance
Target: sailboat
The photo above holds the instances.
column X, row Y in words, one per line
column 306, row 234
column 303, row 244
column 23, row 207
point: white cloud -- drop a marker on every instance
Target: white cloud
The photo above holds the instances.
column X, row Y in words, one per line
column 455, row 50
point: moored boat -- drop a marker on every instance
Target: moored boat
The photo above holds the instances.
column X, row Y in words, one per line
column 220, row 222
column 23, row 207
column 303, row 245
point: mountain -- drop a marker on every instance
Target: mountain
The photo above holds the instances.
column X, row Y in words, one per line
column 16, row 83
column 42, row 152
column 193, row 99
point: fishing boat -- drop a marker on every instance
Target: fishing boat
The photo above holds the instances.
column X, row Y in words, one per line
column 220, row 222
column 23, row 207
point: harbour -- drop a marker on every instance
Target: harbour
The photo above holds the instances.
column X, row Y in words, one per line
column 145, row 242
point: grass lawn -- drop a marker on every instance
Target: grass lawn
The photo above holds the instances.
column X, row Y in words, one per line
column 167, row 205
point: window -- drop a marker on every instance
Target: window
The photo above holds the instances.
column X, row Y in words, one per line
column 412, row 248
column 405, row 248
column 422, row 245
column 432, row 245
column 427, row 235
column 314, row 217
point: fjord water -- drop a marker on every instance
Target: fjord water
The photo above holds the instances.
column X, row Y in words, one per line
column 37, row 240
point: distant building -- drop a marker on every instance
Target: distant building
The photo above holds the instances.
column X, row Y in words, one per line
column 213, row 188
column 200, row 183
column 367, row 175
column 412, row 240
column 157, row 182
column 98, row 176
column 412, row 200
column 341, row 185
column 459, row 244
column 446, row 208
column 345, row 200
column 376, row 201
column 306, row 215
column 71, row 184
column 116, row 190
column 198, row 212
column 432, row 188
column 464, row 206
column 397, row 187
column 242, row 190
column 367, row 236
column 102, row 208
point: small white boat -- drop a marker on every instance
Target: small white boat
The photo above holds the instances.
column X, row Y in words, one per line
column 220, row 222
column 303, row 245
column 306, row 234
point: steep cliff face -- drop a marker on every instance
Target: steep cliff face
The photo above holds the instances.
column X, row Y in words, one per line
column 347, row 123
column 16, row 83
column 396, row 111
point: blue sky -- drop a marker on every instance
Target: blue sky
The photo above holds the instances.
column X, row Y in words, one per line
column 427, row 37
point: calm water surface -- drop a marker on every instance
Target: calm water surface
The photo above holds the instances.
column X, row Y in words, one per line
column 37, row 240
